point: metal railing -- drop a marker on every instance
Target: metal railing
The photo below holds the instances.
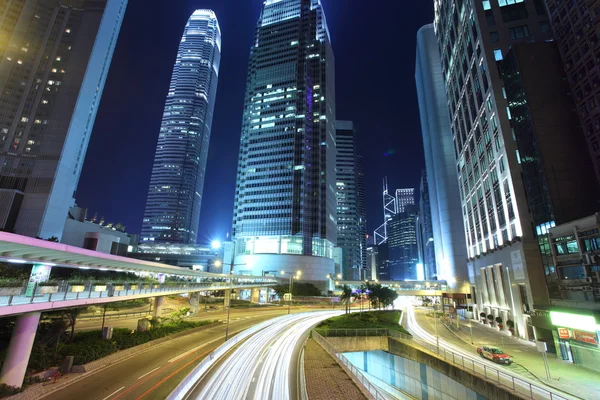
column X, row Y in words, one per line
column 496, row 375
column 92, row 290
column 362, row 333
column 375, row 392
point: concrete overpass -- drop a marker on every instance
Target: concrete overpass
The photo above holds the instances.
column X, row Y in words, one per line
column 37, row 295
column 403, row 288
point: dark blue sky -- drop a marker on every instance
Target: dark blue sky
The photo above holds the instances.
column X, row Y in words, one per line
column 374, row 46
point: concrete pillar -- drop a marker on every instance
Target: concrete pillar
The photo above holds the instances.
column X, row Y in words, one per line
column 194, row 301
column 158, row 305
column 19, row 349
column 255, row 296
column 227, row 298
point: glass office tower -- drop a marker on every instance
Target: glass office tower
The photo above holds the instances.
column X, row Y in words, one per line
column 285, row 194
column 175, row 194
column 54, row 59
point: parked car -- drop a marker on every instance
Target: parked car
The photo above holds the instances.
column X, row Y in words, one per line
column 494, row 354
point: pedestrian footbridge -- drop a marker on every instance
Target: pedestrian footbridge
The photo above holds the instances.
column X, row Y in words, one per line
column 403, row 288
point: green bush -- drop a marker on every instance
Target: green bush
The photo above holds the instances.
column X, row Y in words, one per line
column 365, row 320
column 6, row 390
column 89, row 346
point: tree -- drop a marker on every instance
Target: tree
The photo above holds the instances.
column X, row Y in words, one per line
column 70, row 315
column 346, row 297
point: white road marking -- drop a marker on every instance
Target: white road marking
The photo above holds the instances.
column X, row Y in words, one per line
column 148, row 373
column 192, row 350
column 113, row 393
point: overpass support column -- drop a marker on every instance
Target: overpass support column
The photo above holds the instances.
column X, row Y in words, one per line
column 158, row 305
column 19, row 349
column 255, row 295
column 227, row 298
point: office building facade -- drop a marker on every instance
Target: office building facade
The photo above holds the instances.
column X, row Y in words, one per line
column 175, row 193
column 425, row 233
column 285, row 200
column 504, row 258
column 440, row 163
column 54, row 59
column 576, row 25
column 402, row 245
column 350, row 207
column 404, row 197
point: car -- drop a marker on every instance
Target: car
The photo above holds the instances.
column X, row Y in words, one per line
column 494, row 354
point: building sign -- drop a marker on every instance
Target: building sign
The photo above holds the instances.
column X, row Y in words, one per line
column 563, row 333
column 586, row 337
column 517, row 264
column 39, row 273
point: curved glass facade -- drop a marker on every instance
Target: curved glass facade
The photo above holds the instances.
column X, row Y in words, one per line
column 175, row 193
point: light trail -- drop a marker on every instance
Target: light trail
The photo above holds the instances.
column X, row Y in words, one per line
column 532, row 389
column 260, row 367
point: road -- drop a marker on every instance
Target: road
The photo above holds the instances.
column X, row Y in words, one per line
column 264, row 366
column 153, row 374
column 465, row 355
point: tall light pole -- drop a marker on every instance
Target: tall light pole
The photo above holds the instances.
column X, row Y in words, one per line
column 437, row 338
column 332, row 305
column 292, row 276
column 229, row 302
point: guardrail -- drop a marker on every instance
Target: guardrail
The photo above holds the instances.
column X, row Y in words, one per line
column 65, row 291
column 366, row 386
column 499, row 377
column 362, row 332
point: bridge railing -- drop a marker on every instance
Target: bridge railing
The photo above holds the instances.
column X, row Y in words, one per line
column 351, row 370
column 499, row 376
column 61, row 291
column 362, row 333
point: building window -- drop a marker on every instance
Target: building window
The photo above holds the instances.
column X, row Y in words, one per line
column 545, row 27
column 514, row 12
column 518, row 32
column 494, row 37
column 498, row 55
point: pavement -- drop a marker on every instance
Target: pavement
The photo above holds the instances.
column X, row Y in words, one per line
column 153, row 373
column 325, row 379
column 528, row 362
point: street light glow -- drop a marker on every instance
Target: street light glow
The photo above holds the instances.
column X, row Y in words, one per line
column 218, row 263
column 215, row 244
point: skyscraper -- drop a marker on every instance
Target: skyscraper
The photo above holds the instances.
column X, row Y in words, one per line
column 503, row 253
column 285, row 205
column 446, row 210
column 576, row 28
column 54, row 59
column 425, row 230
column 175, row 193
column 350, row 207
column 404, row 197
column 402, row 244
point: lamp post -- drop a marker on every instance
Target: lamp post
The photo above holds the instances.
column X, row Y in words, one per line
column 437, row 338
column 229, row 302
column 332, row 304
column 292, row 276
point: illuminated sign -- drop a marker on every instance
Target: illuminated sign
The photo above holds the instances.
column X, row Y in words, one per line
column 585, row 337
column 563, row 333
column 574, row 321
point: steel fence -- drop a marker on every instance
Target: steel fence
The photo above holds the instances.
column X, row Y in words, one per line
column 366, row 385
column 499, row 377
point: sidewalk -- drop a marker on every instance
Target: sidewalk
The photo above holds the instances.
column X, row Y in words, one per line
column 571, row 378
column 325, row 379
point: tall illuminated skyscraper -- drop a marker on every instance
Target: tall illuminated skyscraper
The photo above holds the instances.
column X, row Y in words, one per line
column 175, row 194
column 285, row 205
column 54, row 59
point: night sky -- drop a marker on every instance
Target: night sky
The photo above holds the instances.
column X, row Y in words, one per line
column 374, row 46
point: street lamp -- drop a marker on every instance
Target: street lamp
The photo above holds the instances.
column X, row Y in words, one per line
column 332, row 304
column 292, row 276
column 229, row 302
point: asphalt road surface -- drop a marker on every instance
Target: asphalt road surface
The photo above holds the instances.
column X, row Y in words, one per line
column 154, row 373
column 264, row 366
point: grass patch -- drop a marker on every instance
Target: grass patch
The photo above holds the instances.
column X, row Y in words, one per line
column 365, row 320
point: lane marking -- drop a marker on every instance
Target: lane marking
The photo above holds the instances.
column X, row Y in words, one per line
column 148, row 373
column 113, row 393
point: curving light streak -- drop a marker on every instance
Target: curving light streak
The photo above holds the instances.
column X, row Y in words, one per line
column 260, row 367
column 504, row 376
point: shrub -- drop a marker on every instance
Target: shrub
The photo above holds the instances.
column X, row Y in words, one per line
column 490, row 317
column 510, row 323
column 482, row 315
column 499, row 320
column 6, row 390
